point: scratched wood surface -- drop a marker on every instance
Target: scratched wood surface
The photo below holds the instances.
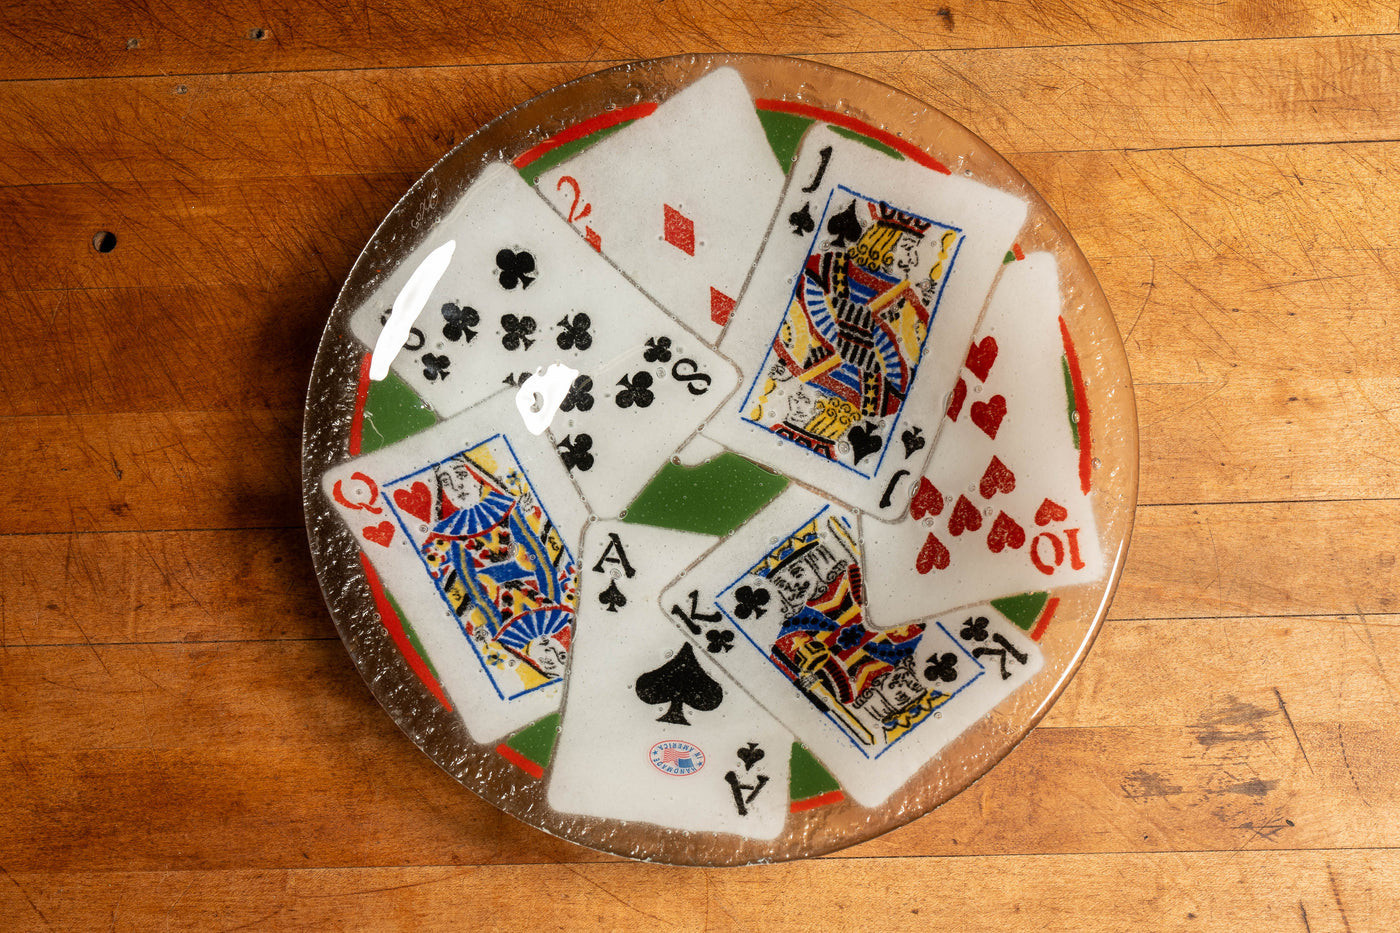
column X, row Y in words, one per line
column 187, row 746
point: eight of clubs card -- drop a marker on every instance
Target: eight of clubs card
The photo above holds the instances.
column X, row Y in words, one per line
column 851, row 330
column 680, row 199
column 873, row 706
column 472, row 527
column 1005, row 506
column 519, row 292
column 652, row 729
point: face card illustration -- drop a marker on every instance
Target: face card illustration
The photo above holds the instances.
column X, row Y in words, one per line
column 520, row 292
column 652, row 729
column 1005, row 504
column 472, row 527
column 873, row 706
column 623, row 418
column 679, row 200
column 851, row 329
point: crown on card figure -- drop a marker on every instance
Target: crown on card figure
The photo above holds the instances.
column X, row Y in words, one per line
column 907, row 222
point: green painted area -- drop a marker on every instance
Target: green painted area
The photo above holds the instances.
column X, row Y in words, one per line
column 392, row 412
column 784, row 133
column 412, row 635
column 553, row 157
column 1022, row 610
column 1069, row 395
column 536, row 741
column 866, row 141
column 713, row 498
column 808, row 778
column 1009, row 257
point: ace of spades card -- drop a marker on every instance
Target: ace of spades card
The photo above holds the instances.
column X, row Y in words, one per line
column 652, row 730
column 851, row 329
column 520, row 292
column 472, row 527
column 1005, row 506
column 680, row 199
column 873, row 706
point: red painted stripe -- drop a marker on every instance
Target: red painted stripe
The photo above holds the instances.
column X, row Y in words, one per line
column 520, row 761
column 1046, row 615
column 908, row 150
column 1081, row 408
column 821, row 800
column 357, row 420
column 579, row 130
column 1016, row 251
column 394, row 626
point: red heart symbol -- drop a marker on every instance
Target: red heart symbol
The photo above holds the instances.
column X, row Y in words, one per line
column 927, row 501
column 980, row 358
column 996, row 479
column 932, row 554
column 965, row 517
column 380, row 534
column 1050, row 512
column 987, row 415
column 416, row 501
column 956, row 403
column 1005, row 533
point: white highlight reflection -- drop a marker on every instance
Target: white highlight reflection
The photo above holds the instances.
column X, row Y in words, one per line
column 410, row 301
column 540, row 396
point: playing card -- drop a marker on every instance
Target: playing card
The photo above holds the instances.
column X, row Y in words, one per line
column 472, row 528
column 1005, row 505
column 652, row 729
column 679, row 200
column 623, row 418
column 873, row 706
column 519, row 292
column 853, row 325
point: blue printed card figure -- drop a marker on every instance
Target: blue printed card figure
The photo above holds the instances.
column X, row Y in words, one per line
column 800, row 604
column 496, row 560
column 847, row 348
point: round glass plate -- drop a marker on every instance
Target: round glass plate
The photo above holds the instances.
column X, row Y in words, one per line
column 645, row 643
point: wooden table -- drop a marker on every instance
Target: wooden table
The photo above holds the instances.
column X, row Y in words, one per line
column 186, row 743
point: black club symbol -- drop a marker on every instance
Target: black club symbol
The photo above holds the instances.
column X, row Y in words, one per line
column 435, row 367
column 579, row 395
column 574, row 451
column 458, row 322
column 518, row 331
column 659, row 350
column 974, row 629
column 636, row 390
column 575, row 333
column 942, row 667
column 719, row 641
column 750, row 602
column 516, row 268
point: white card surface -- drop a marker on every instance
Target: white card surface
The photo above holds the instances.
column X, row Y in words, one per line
column 1005, row 506
column 626, row 416
column 873, row 706
column 680, row 199
column 520, row 292
column 652, row 729
column 473, row 526
column 853, row 326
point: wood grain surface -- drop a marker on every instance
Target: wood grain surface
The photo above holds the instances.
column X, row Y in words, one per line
column 187, row 745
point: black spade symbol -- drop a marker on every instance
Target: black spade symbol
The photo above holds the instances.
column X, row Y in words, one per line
column 680, row 682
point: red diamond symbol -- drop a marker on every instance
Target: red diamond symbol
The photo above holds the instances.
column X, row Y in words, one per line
column 721, row 306
column 680, row 231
